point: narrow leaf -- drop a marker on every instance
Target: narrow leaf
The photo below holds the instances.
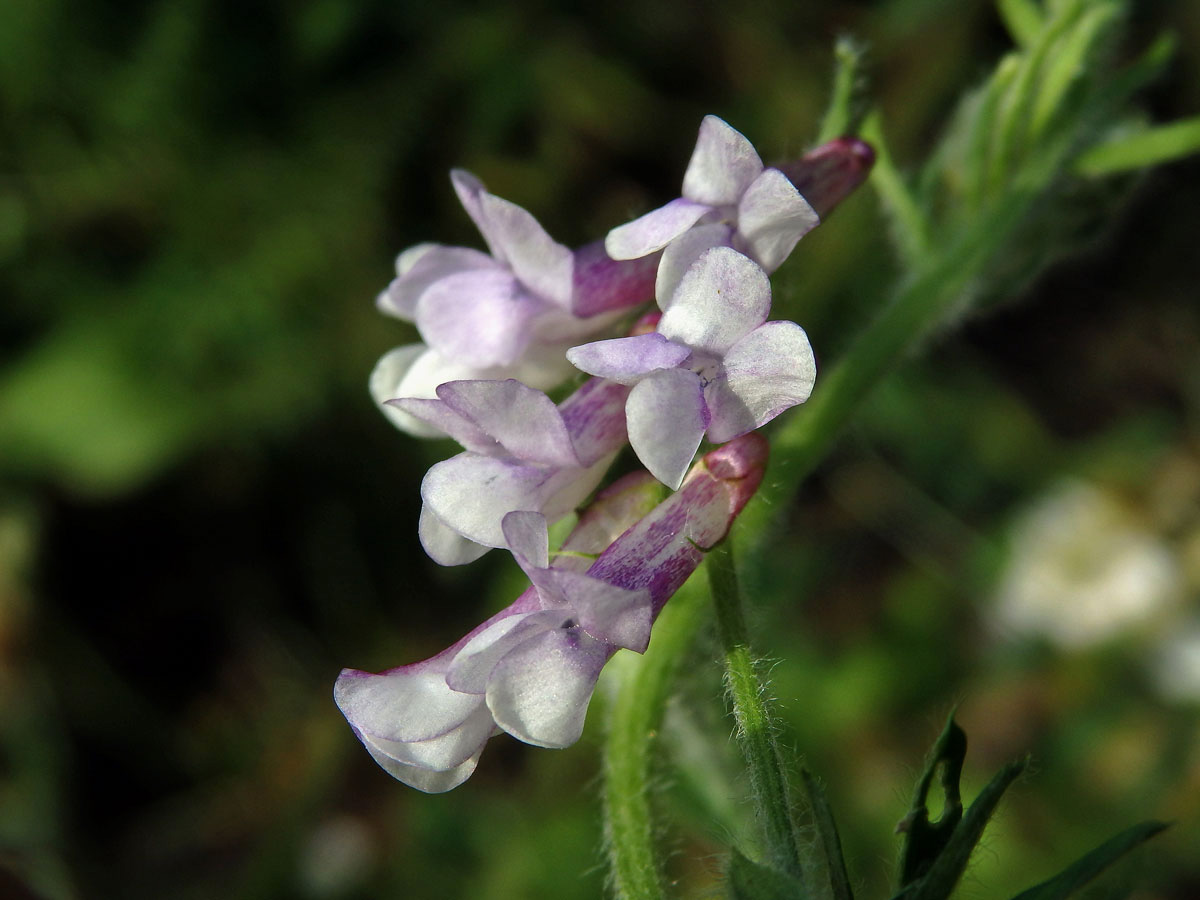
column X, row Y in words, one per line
column 830, row 841
column 749, row 880
column 1022, row 18
column 839, row 117
column 1092, row 864
column 1137, row 151
column 924, row 841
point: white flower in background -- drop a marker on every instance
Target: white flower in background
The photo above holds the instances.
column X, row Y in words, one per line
column 1082, row 570
column 1175, row 665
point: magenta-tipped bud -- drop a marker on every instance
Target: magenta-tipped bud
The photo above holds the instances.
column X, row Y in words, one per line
column 828, row 174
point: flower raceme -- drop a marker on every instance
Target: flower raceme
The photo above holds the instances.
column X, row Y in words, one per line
column 530, row 669
column 508, row 313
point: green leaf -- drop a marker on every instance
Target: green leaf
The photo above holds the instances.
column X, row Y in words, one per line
column 1145, row 148
column 840, row 117
column 909, row 224
column 1092, row 864
column 942, row 877
column 1022, row 18
column 749, row 880
column 924, row 841
column 827, row 834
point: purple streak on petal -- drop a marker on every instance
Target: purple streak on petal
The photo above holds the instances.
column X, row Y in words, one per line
column 482, row 318
column 603, row 284
column 540, row 263
column 595, row 418
column 470, row 494
column 524, row 421
column 612, row 511
column 722, row 165
column 772, row 217
column 769, row 370
column 831, row 172
column 723, row 296
column 421, row 266
column 607, row 612
column 682, row 252
column 653, row 231
column 626, row 360
column 666, row 417
column 539, row 692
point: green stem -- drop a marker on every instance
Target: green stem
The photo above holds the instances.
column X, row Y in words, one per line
column 644, row 684
column 768, row 781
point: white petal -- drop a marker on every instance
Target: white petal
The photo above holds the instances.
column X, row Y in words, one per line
column 411, row 703
column 423, row 779
column 666, row 419
column 443, row 544
column 626, row 360
column 481, row 318
column 474, row 663
column 539, row 692
column 470, row 192
column 421, row 266
column 540, row 263
column 772, row 217
column 439, row 415
column 769, row 370
column 681, row 253
column 654, row 230
column 445, row 752
column 386, row 382
column 471, row 494
column 567, row 488
column 722, row 165
column 524, row 421
column 721, row 297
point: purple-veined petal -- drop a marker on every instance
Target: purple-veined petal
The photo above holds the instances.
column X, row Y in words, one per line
column 528, row 538
column 420, row 266
column 722, row 165
column 539, row 692
column 445, row 419
column 769, row 370
column 481, row 318
column 525, row 422
column 471, row 494
column 612, row 614
column 612, row 512
column 474, row 663
column 411, row 703
column 682, row 252
column 603, row 284
column 422, row 779
column 445, row 752
column 721, row 297
column 595, row 417
column 626, row 360
column 540, row 263
column 654, row 230
column 772, row 217
column 666, row 417
column 443, row 544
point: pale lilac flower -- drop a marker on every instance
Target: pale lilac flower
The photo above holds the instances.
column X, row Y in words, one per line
column 530, row 669
column 730, row 199
column 714, row 367
column 760, row 210
column 522, row 453
column 508, row 313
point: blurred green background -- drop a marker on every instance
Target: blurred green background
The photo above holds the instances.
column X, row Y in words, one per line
column 202, row 517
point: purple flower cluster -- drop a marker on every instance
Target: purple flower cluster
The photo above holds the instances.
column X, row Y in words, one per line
column 497, row 330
